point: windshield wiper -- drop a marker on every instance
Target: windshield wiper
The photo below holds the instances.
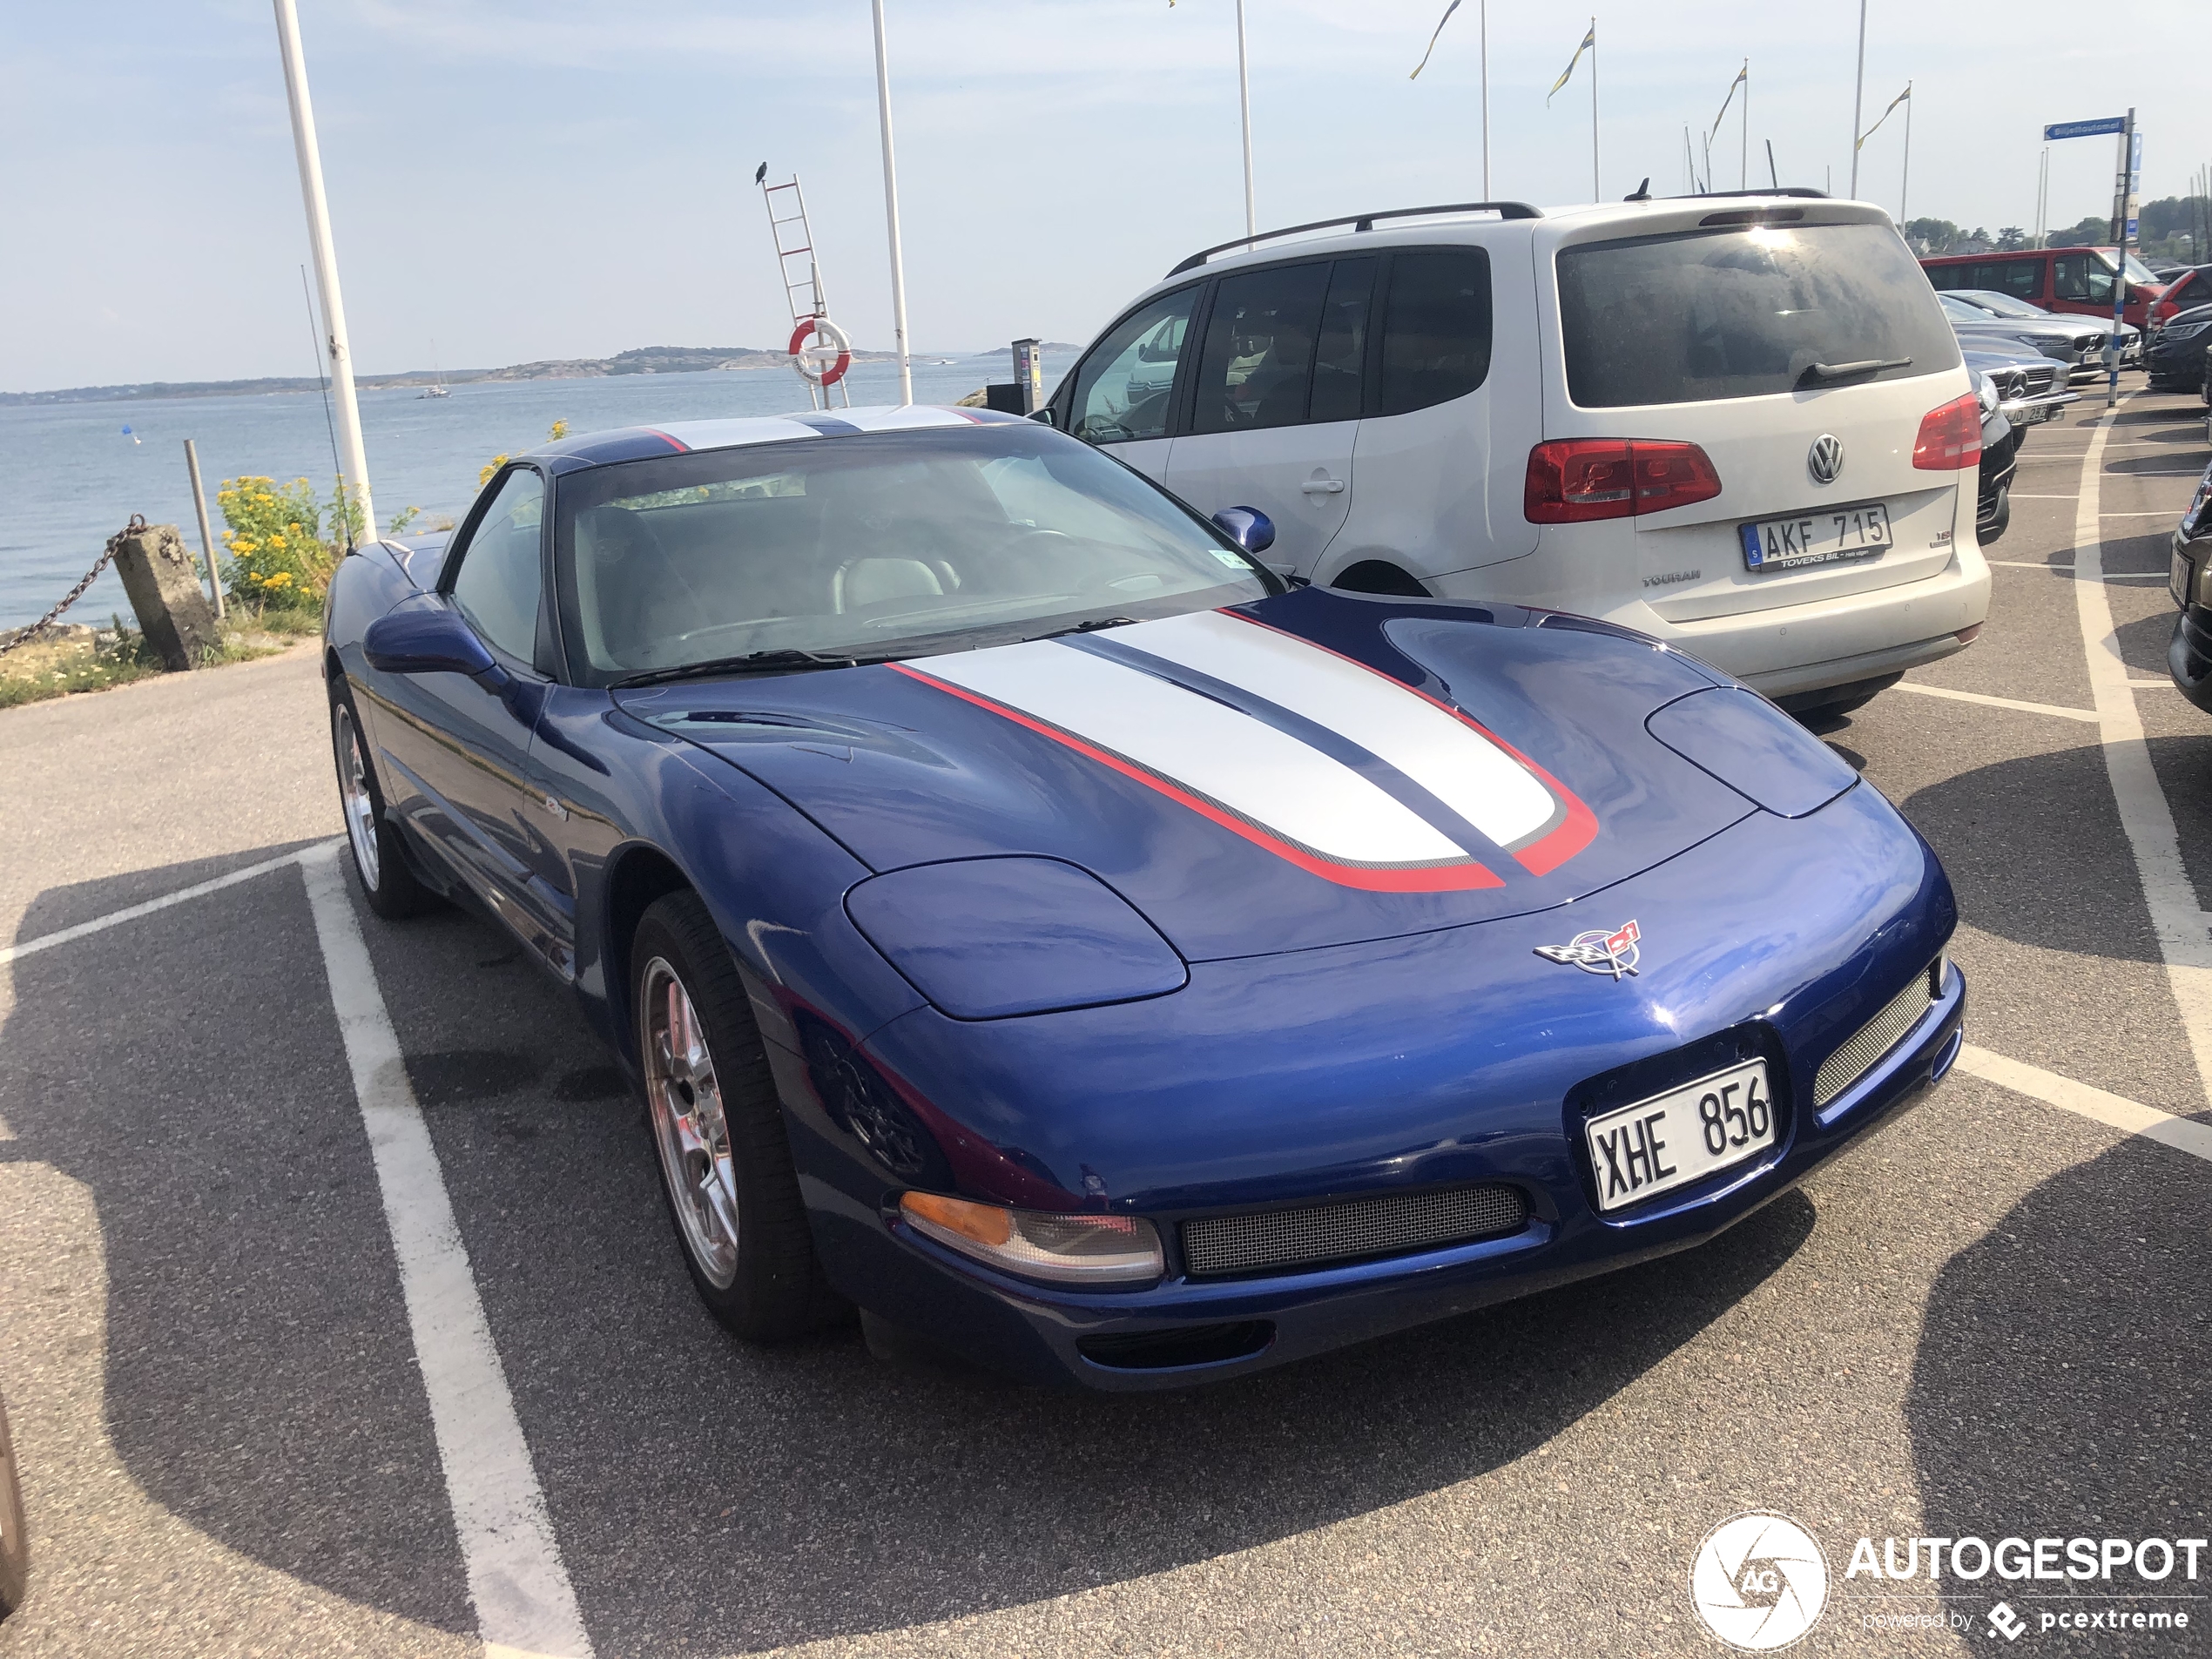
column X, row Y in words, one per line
column 756, row 662
column 1817, row 373
column 1089, row 626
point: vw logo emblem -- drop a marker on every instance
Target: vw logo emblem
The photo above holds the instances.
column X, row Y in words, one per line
column 1826, row 458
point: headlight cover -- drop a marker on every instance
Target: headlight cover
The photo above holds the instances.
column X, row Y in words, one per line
column 1067, row 1249
column 988, row 939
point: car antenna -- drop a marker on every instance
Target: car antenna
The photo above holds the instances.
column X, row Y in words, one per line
column 1642, row 193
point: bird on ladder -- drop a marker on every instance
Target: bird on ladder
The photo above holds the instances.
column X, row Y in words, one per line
column 761, row 173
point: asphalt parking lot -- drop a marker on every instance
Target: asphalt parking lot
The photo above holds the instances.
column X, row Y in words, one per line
column 1990, row 1320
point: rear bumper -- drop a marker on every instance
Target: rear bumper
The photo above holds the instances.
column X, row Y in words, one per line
column 1244, row 1326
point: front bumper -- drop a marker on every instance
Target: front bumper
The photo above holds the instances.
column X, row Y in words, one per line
column 1343, row 1109
column 2188, row 580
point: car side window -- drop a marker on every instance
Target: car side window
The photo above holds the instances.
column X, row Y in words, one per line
column 1125, row 388
column 1339, row 365
column 502, row 577
column 2082, row 278
column 1436, row 329
column 1256, row 367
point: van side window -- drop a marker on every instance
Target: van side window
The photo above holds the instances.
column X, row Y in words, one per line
column 1340, row 366
column 1949, row 276
column 1256, row 366
column 1125, row 388
column 2081, row 277
column 2022, row 278
column 1436, row 329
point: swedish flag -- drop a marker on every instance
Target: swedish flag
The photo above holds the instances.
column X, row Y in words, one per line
column 1589, row 45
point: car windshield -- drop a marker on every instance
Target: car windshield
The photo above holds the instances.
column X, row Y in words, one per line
column 1964, row 310
column 873, row 545
column 1744, row 312
column 2003, row 304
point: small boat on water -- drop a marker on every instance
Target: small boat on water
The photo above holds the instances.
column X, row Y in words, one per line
column 437, row 385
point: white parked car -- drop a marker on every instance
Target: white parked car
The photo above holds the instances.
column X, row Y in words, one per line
column 1741, row 425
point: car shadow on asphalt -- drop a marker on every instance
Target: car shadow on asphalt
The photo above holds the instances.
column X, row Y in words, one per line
column 261, row 1380
column 2059, row 1386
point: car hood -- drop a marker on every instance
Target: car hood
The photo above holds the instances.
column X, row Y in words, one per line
column 1314, row 769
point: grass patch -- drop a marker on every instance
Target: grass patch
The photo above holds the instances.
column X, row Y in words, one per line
column 73, row 659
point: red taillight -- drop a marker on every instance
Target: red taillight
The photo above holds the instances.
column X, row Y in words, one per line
column 1950, row 438
column 2164, row 309
column 1572, row 481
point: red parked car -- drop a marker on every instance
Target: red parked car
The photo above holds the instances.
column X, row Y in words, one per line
column 2057, row 278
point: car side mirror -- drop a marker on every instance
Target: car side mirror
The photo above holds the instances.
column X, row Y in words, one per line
column 1248, row 527
column 1045, row 416
column 427, row 636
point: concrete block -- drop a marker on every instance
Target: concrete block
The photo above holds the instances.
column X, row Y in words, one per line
column 162, row 577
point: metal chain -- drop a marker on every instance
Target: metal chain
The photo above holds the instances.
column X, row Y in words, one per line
column 135, row 527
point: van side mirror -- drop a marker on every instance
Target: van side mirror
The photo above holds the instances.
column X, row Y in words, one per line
column 425, row 635
column 1248, row 527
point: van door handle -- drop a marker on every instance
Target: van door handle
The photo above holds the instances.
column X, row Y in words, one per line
column 1323, row 486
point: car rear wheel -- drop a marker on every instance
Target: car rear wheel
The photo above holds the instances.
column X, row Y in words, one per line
column 718, row 1128
column 380, row 863
column 15, row 1543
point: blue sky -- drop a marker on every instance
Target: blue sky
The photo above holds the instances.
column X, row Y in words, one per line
column 517, row 180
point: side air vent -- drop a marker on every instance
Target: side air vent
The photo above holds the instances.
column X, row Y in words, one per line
column 1878, row 1035
column 1215, row 1246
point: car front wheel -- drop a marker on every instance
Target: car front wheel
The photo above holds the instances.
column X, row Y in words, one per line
column 380, row 865
column 15, row 1543
column 718, row 1128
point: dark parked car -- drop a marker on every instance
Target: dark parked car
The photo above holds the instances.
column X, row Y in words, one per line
column 1999, row 452
column 2176, row 360
column 15, row 1543
column 2189, row 657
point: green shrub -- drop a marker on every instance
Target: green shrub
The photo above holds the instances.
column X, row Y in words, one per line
column 279, row 559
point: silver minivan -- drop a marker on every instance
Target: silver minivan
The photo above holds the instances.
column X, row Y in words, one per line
column 1742, row 425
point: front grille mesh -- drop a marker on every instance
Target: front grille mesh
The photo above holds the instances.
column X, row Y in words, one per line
column 1877, row 1036
column 1213, row 1245
column 2038, row 381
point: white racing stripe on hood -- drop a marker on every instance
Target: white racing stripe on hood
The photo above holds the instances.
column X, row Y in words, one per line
column 1438, row 751
column 1249, row 767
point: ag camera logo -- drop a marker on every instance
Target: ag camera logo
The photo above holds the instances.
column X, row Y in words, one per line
column 1759, row 1581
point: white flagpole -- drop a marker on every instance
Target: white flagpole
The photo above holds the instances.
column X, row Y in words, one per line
column 1744, row 162
column 1244, row 109
column 1905, row 183
column 1483, row 21
column 1858, row 100
column 353, row 454
column 891, row 214
column 1596, row 190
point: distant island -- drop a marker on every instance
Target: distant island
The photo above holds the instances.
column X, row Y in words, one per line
column 644, row 360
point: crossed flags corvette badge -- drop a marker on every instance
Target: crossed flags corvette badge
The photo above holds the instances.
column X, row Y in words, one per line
column 1598, row 951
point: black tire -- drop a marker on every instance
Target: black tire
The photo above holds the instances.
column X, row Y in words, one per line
column 15, row 1539
column 386, row 880
column 765, row 1284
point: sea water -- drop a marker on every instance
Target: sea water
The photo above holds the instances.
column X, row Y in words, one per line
column 70, row 477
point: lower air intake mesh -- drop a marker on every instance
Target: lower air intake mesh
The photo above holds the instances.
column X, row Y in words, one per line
column 1341, row 1232
column 1877, row 1036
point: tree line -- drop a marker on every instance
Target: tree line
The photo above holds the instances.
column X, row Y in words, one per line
column 2174, row 228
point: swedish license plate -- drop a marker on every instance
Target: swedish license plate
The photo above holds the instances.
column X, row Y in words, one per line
column 2036, row 413
column 1824, row 537
column 1673, row 1139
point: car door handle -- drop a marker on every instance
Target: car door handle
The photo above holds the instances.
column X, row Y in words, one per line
column 1323, row 486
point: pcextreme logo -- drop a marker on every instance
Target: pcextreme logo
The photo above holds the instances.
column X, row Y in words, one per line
column 1759, row 1581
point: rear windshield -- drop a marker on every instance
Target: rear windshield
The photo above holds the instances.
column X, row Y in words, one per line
column 1701, row 315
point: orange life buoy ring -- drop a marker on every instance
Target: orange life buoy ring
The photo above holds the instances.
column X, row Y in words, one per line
column 830, row 335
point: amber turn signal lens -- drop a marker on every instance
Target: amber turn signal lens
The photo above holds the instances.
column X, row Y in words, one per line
column 986, row 1223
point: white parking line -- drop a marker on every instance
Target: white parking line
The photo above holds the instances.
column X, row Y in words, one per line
column 525, row 1605
column 101, row 924
column 2051, row 709
column 2115, row 1111
column 2175, row 917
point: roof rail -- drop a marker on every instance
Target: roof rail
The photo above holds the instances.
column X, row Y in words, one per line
column 1778, row 190
column 1361, row 222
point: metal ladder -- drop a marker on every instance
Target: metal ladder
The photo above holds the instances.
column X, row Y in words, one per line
column 804, row 293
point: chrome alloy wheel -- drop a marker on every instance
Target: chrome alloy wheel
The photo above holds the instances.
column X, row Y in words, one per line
column 688, row 1125
column 353, row 795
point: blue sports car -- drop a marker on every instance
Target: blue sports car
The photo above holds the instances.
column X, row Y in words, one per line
column 1031, row 919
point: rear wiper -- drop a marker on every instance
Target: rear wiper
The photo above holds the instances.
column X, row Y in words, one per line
column 1816, row 373
column 1091, row 626
column 756, row 662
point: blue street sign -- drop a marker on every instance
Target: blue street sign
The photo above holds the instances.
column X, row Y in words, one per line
column 2085, row 129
